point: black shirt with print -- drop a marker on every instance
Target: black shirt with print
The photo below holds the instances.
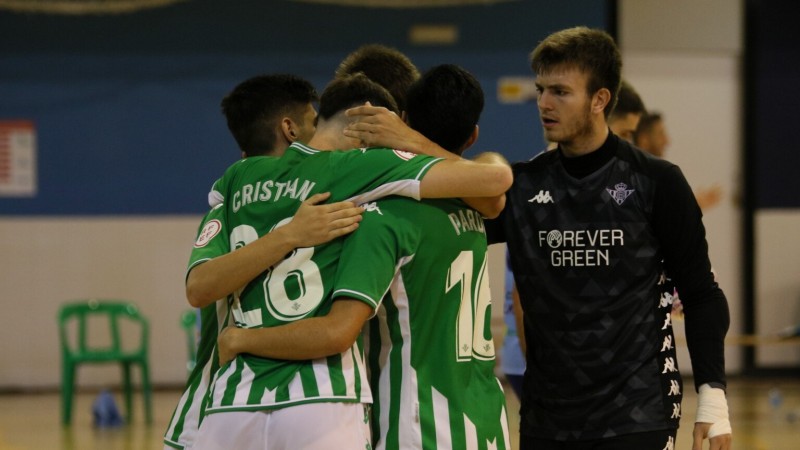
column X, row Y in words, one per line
column 587, row 237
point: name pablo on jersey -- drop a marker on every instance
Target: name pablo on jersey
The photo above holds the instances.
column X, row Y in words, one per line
column 466, row 220
column 270, row 190
column 568, row 247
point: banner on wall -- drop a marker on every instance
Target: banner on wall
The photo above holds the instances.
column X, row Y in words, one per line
column 17, row 158
column 516, row 89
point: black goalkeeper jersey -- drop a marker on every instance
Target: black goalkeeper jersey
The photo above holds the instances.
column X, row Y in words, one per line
column 589, row 238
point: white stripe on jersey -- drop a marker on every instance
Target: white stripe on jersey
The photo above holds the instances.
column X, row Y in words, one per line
column 176, row 417
column 349, row 293
column 349, row 370
column 504, row 421
column 409, row 400
column 322, row 375
column 383, row 379
column 470, row 434
column 191, row 417
column 296, row 385
column 185, row 437
column 304, row 149
column 252, row 318
column 410, row 435
column 350, row 361
column 441, row 420
column 269, row 396
column 219, row 382
column 240, row 398
column 405, row 188
column 191, row 421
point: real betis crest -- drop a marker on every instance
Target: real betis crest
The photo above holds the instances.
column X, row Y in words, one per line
column 620, row 192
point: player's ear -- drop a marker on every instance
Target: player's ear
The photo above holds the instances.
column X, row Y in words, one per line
column 288, row 129
column 600, row 99
column 471, row 140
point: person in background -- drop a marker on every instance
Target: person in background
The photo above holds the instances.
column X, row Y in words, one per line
column 651, row 136
column 624, row 118
column 384, row 65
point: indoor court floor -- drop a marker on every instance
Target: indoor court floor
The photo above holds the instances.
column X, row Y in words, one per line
column 765, row 415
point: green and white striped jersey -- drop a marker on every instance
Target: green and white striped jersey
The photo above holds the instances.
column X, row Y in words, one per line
column 429, row 349
column 212, row 241
column 262, row 193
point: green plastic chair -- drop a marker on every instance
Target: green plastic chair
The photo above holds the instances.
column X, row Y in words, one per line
column 189, row 325
column 83, row 323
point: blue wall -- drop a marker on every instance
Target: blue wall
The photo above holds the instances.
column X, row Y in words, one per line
column 126, row 107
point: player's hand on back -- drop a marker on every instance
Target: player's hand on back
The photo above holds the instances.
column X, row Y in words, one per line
column 226, row 344
column 315, row 223
column 376, row 126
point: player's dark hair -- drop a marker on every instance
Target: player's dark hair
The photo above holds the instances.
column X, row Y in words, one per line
column 591, row 51
column 353, row 90
column 255, row 107
column 628, row 101
column 646, row 123
column 384, row 65
column 445, row 105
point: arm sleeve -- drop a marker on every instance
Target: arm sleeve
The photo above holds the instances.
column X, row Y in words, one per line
column 211, row 240
column 370, row 257
column 495, row 228
column 679, row 227
column 380, row 172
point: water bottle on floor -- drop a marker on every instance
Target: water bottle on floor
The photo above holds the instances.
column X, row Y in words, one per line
column 105, row 411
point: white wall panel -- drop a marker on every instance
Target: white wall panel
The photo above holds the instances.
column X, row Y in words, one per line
column 47, row 261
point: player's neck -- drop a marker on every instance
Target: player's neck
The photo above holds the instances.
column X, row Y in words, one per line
column 586, row 143
column 328, row 137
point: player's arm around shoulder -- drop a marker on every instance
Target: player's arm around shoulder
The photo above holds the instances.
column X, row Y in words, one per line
column 482, row 182
column 311, row 338
column 377, row 126
column 488, row 175
column 314, row 223
column 490, row 207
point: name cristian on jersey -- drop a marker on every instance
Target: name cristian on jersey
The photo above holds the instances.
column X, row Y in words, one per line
column 270, row 190
column 466, row 220
column 580, row 248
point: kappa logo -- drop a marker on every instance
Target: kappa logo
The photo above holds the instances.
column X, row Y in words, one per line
column 372, row 207
column 620, row 192
column 542, row 197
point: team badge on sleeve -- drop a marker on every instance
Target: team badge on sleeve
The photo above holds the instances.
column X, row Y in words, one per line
column 210, row 230
column 404, row 154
